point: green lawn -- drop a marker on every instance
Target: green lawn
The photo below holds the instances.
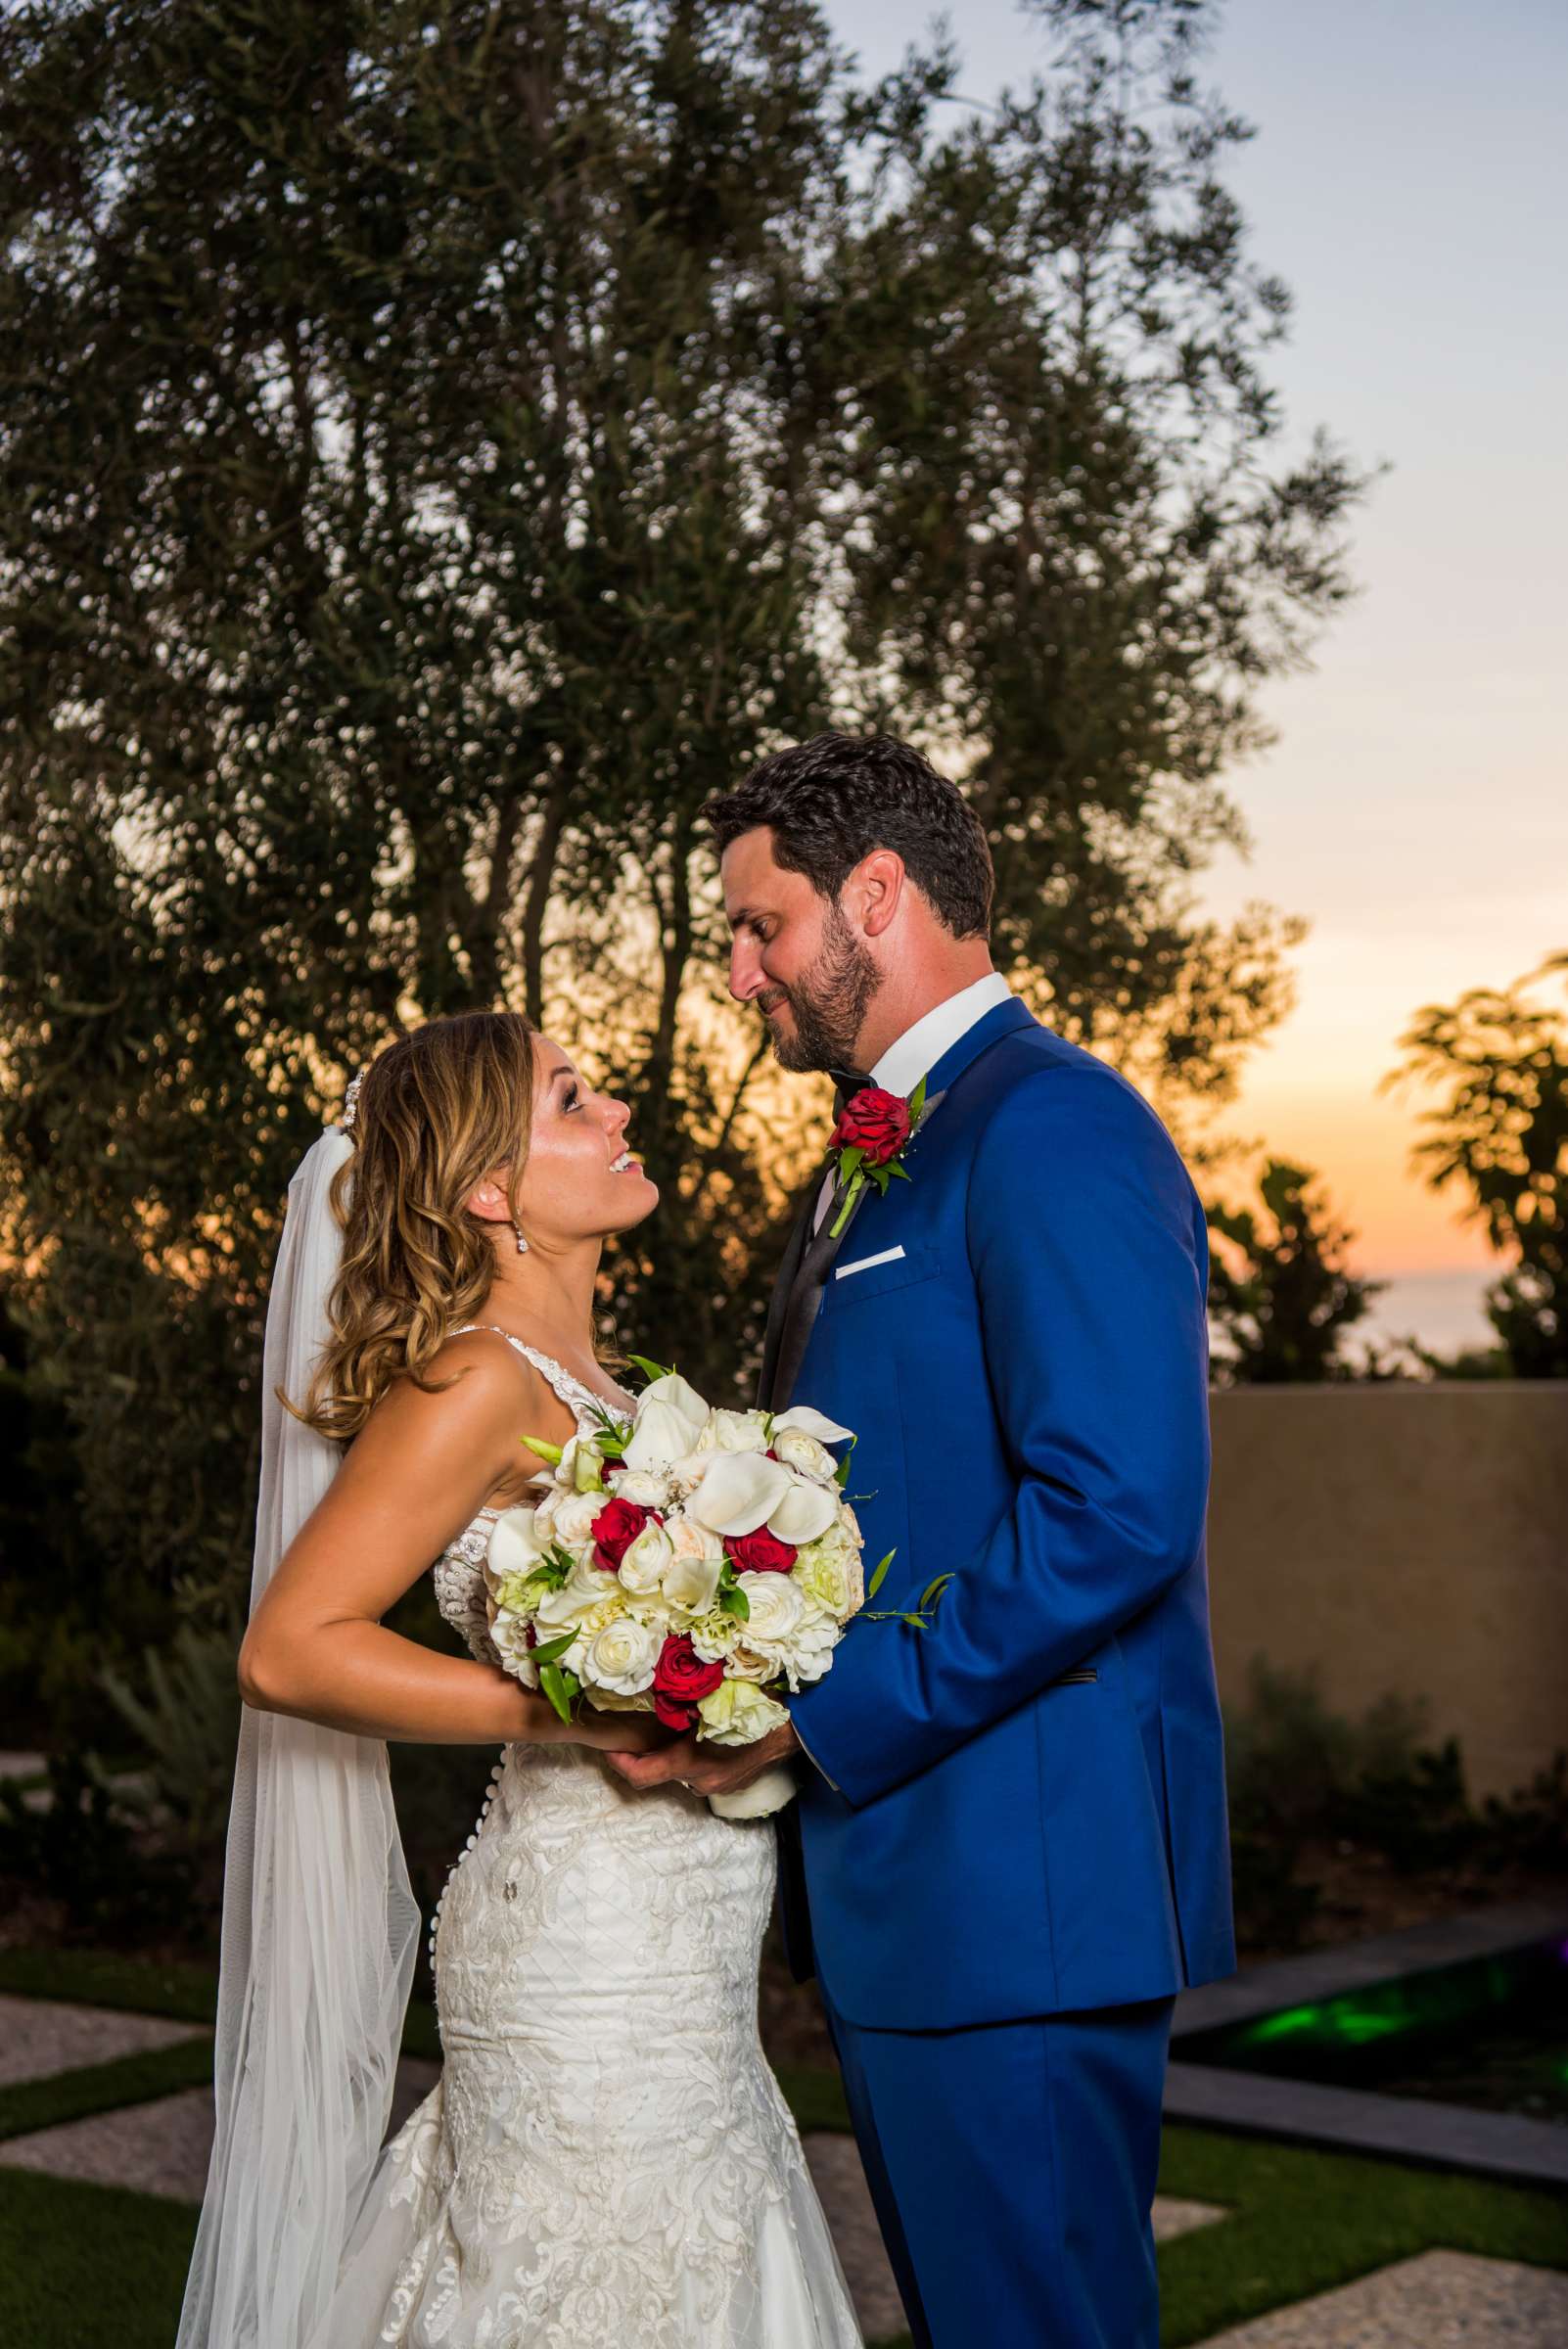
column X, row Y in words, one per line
column 1300, row 2221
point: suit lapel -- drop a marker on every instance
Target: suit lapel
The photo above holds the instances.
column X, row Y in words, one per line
column 809, row 1257
column 778, row 1304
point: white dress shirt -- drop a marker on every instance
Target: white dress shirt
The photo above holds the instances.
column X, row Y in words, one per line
column 912, row 1056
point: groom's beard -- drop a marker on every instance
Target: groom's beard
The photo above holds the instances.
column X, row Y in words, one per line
column 830, row 1002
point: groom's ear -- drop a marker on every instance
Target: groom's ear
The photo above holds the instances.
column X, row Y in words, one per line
column 874, row 891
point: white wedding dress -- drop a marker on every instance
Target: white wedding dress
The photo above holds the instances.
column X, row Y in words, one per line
column 607, row 2161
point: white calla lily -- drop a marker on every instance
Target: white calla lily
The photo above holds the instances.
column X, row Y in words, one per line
column 693, row 1582
column 739, row 1491
column 802, row 1513
column 664, row 1434
column 811, row 1423
column 514, row 1547
column 674, row 1391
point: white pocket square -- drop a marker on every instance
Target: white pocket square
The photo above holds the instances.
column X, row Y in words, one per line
column 863, row 1264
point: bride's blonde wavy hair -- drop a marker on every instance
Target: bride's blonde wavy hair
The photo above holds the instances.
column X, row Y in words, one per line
column 439, row 1111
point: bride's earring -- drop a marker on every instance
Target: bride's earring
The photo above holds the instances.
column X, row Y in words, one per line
column 521, row 1244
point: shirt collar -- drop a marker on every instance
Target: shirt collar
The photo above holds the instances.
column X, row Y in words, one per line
column 908, row 1059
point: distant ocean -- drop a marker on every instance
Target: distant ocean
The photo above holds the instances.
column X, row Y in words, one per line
column 1443, row 1310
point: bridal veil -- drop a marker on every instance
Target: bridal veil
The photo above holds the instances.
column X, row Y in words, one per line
column 319, row 1923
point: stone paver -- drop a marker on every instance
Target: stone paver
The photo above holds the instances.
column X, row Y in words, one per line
column 835, row 2164
column 163, row 2147
column 1443, row 2300
column 38, row 2036
column 1174, row 2217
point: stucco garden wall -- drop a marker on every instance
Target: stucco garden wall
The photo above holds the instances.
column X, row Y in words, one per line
column 1405, row 1539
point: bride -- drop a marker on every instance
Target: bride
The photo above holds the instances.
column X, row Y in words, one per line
column 607, row 2161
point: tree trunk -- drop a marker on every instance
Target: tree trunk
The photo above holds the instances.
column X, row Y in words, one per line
column 536, row 902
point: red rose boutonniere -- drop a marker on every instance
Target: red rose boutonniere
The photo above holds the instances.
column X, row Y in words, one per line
column 868, row 1140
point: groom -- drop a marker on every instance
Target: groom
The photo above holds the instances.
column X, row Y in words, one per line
column 1009, row 1849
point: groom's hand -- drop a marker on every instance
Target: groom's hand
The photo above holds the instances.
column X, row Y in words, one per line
column 707, row 1768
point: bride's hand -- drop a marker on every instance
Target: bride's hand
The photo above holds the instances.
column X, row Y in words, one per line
column 615, row 1732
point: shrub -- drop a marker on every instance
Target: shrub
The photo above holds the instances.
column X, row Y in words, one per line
column 79, row 1847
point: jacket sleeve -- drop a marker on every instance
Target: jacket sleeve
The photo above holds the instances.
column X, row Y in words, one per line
column 1089, row 1253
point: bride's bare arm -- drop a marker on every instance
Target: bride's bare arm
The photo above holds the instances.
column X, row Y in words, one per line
column 414, row 1476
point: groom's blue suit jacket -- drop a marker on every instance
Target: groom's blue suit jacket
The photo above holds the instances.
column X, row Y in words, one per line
column 1027, row 1808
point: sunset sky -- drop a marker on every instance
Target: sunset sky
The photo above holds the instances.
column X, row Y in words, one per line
column 1407, row 181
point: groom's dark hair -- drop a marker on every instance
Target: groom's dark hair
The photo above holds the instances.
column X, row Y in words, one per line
column 831, row 801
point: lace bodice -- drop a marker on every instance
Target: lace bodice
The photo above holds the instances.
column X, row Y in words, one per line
column 458, row 1573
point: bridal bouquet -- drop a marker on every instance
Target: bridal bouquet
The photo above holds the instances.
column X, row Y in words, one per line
column 689, row 1562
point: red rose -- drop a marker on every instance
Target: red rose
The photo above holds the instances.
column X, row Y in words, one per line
column 761, row 1552
column 875, row 1121
column 680, row 1679
column 615, row 1528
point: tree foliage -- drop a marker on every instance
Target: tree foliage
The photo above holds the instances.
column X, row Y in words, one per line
column 442, row 444
column 1498, row 1062
column 1281, row 1293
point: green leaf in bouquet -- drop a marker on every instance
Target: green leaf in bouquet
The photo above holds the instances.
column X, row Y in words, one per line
column 548, row 1649
column 650, row 1370
column 560, row 1687
column 841, row 1475
column 611, row 1435
column 553, row 1568
column 916, row 1623
column 934, row 1591
column 875, row 1583
column 544, row 1451
column 896, row 1167
column 734, row 1601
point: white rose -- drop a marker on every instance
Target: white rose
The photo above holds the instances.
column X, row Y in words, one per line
column 587, row 1593
column 738, row 1430
column 643, row 1564
column 688, row 1539
column 744, row 1663
column 693, row 1582
column 738, row 1712
column 620, row 1657
column 571, row 1518
column 777, row 1607
column 649, row 1488
column 797, row 1449
column 688, row 1473
column 510, row 1640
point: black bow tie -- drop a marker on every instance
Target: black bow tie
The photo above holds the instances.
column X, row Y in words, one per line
column 847, row 1083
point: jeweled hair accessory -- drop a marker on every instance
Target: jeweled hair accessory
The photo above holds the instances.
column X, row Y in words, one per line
column 350, row 1104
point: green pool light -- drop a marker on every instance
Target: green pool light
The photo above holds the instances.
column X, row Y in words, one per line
column 1351, row 2022
column 1359, row 2018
